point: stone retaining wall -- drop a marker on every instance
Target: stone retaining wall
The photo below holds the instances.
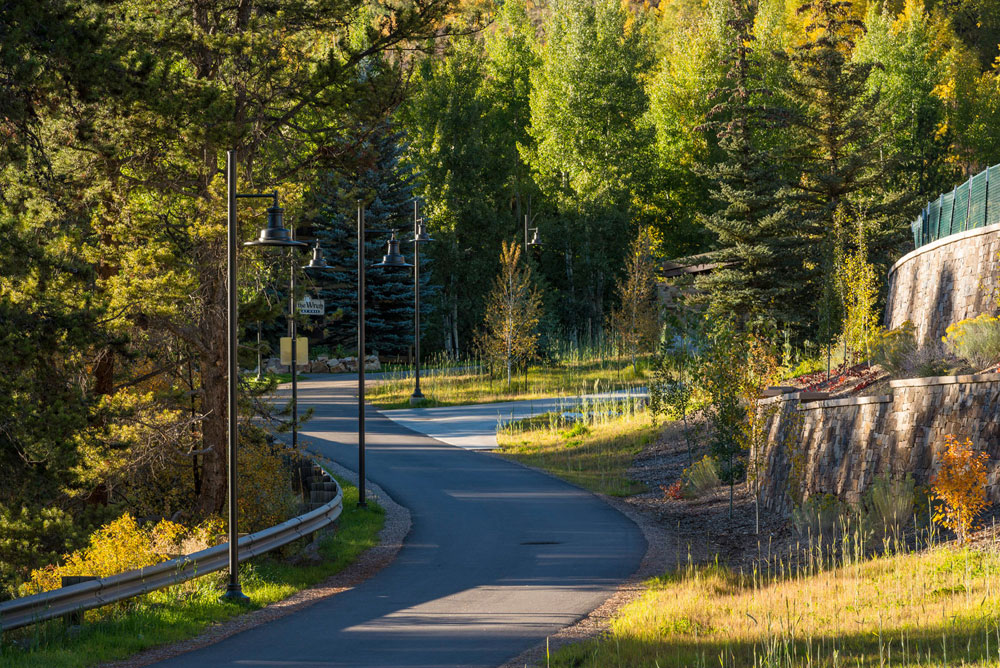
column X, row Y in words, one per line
column 945, row 281
column 839, row 446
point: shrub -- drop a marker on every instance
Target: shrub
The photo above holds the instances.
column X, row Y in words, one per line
column 930, row 360
column 700, row 477
column 674, row 491
column 122, row 545
column 894, row 347
column 960, row 485
column 30, row 538
column 265, row 487
column 819, row 514
column 975, row 339
column 889, row 503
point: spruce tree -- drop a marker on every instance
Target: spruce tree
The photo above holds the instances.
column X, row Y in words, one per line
column 758, row 276
column 385, row 185
column 842, row 169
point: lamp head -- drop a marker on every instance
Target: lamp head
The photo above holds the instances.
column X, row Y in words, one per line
column 317, row 261
column 421, row 236
column 392, row 258
column 535, row 240
column 275, row 234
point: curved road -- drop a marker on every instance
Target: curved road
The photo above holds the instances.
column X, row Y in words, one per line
column 498, row 558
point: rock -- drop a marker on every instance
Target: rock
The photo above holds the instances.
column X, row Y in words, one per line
column 338, row 367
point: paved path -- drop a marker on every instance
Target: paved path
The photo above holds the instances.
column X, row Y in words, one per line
column 498, row 558
column 475, row 427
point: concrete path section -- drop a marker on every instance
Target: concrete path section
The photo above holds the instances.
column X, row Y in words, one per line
column 475, row 427
column 498, row 558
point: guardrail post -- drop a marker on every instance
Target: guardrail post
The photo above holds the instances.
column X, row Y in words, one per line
column 74, row 618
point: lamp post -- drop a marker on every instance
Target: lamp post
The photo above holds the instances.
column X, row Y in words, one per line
column 419, row 236
column 392, row 259
column 273, row 235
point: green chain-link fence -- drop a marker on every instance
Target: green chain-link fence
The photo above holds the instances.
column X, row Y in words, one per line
column 973, row 204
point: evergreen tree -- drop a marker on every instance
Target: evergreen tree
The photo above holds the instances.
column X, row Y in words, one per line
column 385, row 184
column 841, row 167
column 758, row 279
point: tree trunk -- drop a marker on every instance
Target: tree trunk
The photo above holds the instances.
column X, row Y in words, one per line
column 213, row 331
column 214, row 482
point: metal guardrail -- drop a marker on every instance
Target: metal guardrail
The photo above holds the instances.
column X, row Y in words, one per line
column 975, row 203
column 102, row 591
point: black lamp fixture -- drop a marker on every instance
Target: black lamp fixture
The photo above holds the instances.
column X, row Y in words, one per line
column 275, row 234
column 318, row 260
column 535, row 240
column 421, row 236
column 392, row 258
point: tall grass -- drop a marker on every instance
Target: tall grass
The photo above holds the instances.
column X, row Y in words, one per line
column 445, row 382
column 591, row 444
column 826, row 603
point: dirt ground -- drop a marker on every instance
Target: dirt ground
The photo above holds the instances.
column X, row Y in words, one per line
column 703, row 527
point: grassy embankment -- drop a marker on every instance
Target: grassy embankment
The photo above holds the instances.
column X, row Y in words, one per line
column 185, row 610
column 826, row 608
column 937, row 607
column 471, row 385
column 594, row 452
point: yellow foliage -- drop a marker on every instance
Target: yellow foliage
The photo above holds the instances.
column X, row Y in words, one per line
column 958, row 332
column 123, row 545
column 265, row 485
column 975, row 339
column 961, row 486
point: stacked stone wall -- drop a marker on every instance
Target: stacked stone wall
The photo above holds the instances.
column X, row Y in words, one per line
column 945, row 281
column 840, row 446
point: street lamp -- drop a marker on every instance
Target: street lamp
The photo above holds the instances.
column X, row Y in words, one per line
column 419, row 236
column 534, row 240
column 392, row 259
column 274, row 234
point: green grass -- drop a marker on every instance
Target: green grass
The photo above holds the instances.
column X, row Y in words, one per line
column 462, row 386
column 938, row 607
column 185, row 610
column 594, row 453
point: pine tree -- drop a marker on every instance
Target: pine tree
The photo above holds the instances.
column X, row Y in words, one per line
column 385, row 184
column 842, row 169
column 758, row 277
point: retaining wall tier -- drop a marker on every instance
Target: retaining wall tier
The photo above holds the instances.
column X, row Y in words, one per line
column 945, row 281
column 839, row 446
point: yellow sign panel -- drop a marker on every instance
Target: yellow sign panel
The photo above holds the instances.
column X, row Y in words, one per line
column 301, row 350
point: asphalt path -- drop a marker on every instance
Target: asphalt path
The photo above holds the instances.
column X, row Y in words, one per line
column 474, row 427
column 498, row 558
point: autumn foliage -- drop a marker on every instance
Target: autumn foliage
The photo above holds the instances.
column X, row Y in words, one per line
column 960, row 485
